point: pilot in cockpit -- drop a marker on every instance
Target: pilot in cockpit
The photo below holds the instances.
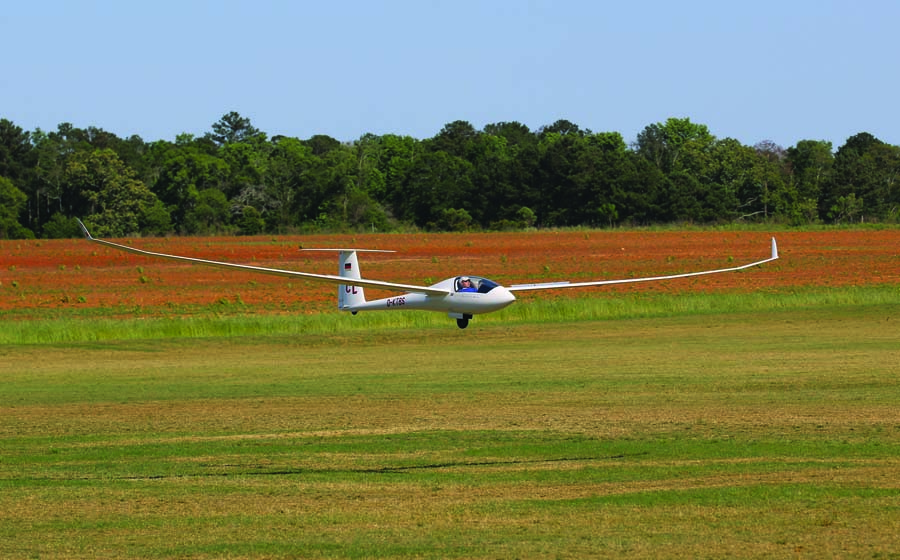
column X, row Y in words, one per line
column 465, row 285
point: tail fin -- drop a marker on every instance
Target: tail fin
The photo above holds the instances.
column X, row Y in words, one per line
column 348, row 294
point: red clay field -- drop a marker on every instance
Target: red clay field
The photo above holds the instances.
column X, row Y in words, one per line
column 42, row 277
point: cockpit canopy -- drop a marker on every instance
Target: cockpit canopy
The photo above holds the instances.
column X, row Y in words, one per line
column 478, row 284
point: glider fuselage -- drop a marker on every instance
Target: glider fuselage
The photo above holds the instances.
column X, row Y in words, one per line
column 453, row 302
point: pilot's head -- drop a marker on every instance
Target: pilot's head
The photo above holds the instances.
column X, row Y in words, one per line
column 465, row 280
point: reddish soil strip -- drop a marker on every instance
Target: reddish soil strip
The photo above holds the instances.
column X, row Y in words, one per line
column 75, row 273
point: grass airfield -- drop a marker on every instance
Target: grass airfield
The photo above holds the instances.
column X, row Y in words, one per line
column 744, row 433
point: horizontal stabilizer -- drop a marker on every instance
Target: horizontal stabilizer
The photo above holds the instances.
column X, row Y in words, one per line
column 351, row 250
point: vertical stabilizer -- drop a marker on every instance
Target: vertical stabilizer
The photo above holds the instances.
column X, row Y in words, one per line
column 348, row 294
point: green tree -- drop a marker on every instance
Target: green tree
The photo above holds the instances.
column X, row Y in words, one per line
column 61, row 227
column 846, row 209
column 454, row 219
column 686, row 153
column 321, row 144
column 563, row 127
column 53, row 152
column 396, row 157
column 557, row 193
column 886, row 161
column 456, row 138
column 686, row 199
column 251, row 221
column 368, row 175
column 290, row 185
column 232, row 127
column 15, row 151
column 492, row 194
column 17, row 159
column 155, row 219
column 210, row 214
column 183, row 171
column 768, row 187
column 50, row 168
column 507, row 171
column 362, row 185
column 515, row 133
column 352, row 186
column 651, row 145
column 677, row 144
column 526, row 217
column 247, row 164
column 808, row 166
column 731, row 188
column 867, row 168
column 601, row 165
column 12, row 201
column 437, row 181
column 642, row 187
column 116, row 203
column 337, row 179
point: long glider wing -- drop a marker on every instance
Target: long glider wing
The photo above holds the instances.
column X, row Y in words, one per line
column 559, row 285
column 326, row 278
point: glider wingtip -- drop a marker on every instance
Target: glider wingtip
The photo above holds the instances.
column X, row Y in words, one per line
column 84, row 229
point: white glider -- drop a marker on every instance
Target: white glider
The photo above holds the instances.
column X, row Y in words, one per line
column 460, row 297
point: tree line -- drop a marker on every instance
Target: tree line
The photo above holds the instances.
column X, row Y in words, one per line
column 235, row 179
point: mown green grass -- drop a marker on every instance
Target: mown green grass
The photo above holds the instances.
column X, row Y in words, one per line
column 748, row 429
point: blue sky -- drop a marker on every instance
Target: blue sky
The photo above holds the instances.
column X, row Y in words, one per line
column 765, row 70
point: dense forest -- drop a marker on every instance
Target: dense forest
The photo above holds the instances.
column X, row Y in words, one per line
column 236, row 180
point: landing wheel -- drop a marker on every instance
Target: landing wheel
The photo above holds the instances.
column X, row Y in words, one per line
column 462, row 323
